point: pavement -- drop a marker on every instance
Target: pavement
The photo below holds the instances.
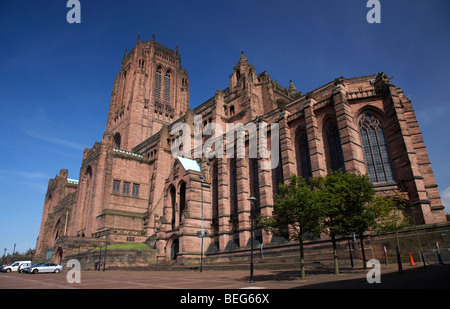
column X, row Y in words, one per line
column 214, row 288
column 413, row 277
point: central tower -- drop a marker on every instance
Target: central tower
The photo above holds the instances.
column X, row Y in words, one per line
column 151, row 89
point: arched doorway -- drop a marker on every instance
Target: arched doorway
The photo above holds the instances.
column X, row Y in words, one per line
column 174, row 249
column 59, row 254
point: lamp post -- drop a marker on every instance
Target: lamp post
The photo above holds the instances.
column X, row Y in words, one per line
column 252, row 200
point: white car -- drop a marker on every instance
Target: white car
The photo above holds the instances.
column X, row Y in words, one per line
column 44, row 268
column 22, row 266
column 15, row 266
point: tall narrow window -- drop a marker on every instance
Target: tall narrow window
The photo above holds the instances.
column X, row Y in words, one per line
column 116, row 186
column 334, row 144
column 172, row 195
column 215, row 197
column 182, row 199
column 277, row 174
column 117, row 141
column 158, row 83
column 89, row 172
column 305, row 158
column 375, row 149
column 234, row 202
column 135, row 190
column 254, row 184
column 167, row 87
column 126, row 188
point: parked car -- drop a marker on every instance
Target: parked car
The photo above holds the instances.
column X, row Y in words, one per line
column 15, row 266
column 27, row 270
column 43, row 268
column 22, row 266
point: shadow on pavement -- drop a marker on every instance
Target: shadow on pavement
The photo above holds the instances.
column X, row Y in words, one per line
column 431, row 277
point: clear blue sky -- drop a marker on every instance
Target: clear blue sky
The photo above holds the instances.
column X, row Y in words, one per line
column 56, row 78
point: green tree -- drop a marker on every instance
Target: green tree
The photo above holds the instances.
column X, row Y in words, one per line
column 331, row 191
column 361, row 206
column 349, row 200
column 392, row 218
column 296, row 211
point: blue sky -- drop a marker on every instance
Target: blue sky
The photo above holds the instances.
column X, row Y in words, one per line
column 56, row 78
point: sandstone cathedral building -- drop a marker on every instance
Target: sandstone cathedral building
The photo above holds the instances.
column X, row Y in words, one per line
column 132, row 189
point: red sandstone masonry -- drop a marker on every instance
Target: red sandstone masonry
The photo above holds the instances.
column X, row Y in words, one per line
column 139, row 124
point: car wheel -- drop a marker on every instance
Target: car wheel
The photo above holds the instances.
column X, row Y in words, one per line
column 8, row 270
column 35, row 271
column 56, row 271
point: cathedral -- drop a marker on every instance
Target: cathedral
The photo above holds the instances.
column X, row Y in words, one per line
column 131, row 188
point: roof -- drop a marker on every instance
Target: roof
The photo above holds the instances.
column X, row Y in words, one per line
column 189, row 164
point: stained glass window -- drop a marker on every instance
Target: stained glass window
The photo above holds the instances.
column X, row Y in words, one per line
column 375, row 149
column 305, row 158
column 167, row 87
column 334, row 144
column 158, row 83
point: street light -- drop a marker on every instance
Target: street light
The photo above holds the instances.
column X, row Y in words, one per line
column 252, row 200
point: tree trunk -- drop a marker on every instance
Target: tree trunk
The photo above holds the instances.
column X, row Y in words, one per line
column 361, row 239
column 302, row 256
column 335, row 257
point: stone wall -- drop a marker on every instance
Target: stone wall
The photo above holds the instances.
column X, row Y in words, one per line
column 280, row 255
column 115, row 259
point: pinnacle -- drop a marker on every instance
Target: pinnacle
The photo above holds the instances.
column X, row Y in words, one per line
column 292, row 87
column 242, row 58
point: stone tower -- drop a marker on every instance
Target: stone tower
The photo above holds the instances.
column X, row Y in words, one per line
column 150, row 90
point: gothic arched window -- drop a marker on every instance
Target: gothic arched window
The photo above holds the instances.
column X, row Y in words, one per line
column 375, row 149
column 277, row 174
column 158, row 83
column 335, row 147
column 215, row 197
column 305, row 159
column 172, row 196
column 182, row 199
column 254, row 183
column 88, row 173
column 167, row 86
column 234, row 207
column 117, row 141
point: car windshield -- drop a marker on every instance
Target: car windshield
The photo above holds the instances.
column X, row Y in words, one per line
column 38, row 264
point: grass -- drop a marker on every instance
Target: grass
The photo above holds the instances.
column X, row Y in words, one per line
column 128, row 246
